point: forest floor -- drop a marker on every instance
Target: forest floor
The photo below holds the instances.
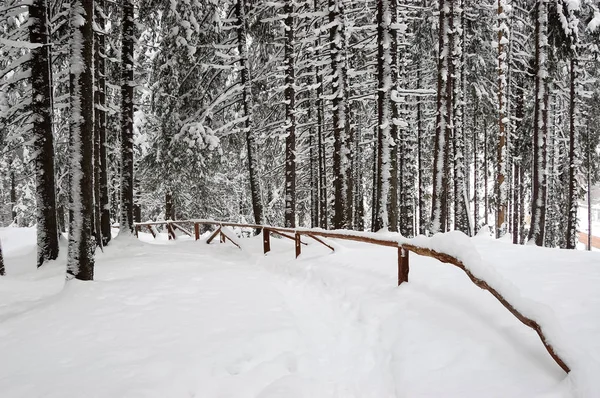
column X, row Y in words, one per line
column 186, row 319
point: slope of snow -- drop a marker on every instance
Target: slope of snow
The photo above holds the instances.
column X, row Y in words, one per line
column 186, row 319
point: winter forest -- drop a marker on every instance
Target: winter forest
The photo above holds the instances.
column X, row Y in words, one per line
column 415, row 116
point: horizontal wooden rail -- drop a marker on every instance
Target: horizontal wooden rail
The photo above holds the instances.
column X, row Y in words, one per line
column 403, row 258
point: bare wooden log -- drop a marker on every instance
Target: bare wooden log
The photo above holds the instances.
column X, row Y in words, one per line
column 182, row 229
column 225, row 237
column 356, row 238
column 197, row 231
column 266, row 240
column 446, row 258
column 151, row 231
column 321, row 241
column 214, row 235
column 286, row 236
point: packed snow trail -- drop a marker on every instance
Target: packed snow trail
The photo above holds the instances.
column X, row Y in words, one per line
column 181, row 319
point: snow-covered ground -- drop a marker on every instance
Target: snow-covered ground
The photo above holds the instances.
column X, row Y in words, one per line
column 187, row 319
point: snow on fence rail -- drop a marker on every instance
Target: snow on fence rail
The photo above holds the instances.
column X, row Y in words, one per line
column 420, row 245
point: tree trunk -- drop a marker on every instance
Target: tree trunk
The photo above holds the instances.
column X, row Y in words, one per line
column 341, row 151
column 13, row 196
column 169, row 209
column 101, row 123
column 439, row 206
column 475, row 169
column 101, row 210
column 461, row 200
column 41, row 109
column 255, row 191
column 501, row 199
column 386, row 206
column 80, row 263
column 571, row 232
column 485, row 173
column 290, row 116
column 420, row 155
column 127, row 85
column 540, row 127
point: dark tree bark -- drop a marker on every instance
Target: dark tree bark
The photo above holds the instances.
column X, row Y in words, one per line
column 80, row 263
column 255, row 192
column 127, row 110
column 475, row 169
column 571, row 232
column 500, row 186
column 41, row 108
column 13, row 196
column 439, row 208
column 169, row 208
column 420, row 155
column 540, row 127
column 290, row 118
column 341, row 151
column 386, row 203
column 100, row 157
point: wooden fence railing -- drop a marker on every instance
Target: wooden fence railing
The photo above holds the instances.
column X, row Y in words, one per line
column 403, row 257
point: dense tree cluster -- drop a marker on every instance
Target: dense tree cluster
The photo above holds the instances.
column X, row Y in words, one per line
column 417, row 116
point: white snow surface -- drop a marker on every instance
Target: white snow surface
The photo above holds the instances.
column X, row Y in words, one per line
column 186, row 319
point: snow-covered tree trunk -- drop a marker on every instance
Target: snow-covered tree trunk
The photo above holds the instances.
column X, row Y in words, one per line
column 248, row 106
column 475, row 165
column 43, row 140
column 322, row 171
column 420, row 155
column 439, row 207
column 341, row 134
column 127, row 86
column 101, row 121
column 80, row 263
column 540, row 126
column 501, row 195
column 573, row 194
column 461, row 200
column 387, row 194
column 290, row 117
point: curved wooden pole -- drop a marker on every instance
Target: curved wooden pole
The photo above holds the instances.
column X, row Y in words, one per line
column 446, row 258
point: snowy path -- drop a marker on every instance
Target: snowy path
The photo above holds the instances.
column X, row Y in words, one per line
column 188, row 319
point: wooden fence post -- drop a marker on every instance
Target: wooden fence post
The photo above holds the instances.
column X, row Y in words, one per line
column 171, row 231
column 197, row 230
column 266, row 240
column 402, row 265
column 298, row 244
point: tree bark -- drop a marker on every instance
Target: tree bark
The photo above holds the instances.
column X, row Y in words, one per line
column 101, row 160
column 341, row 151
column 127, row 85
column 386, row 205
column 501, row 148
column 290, row 116
column 540, row 127
column 246, row 80
column 2, row 270
column 439, row 207
column 571, row 232
column 80, row 263
column 41, row 108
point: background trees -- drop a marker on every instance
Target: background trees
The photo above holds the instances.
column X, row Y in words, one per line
column 419, row 116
